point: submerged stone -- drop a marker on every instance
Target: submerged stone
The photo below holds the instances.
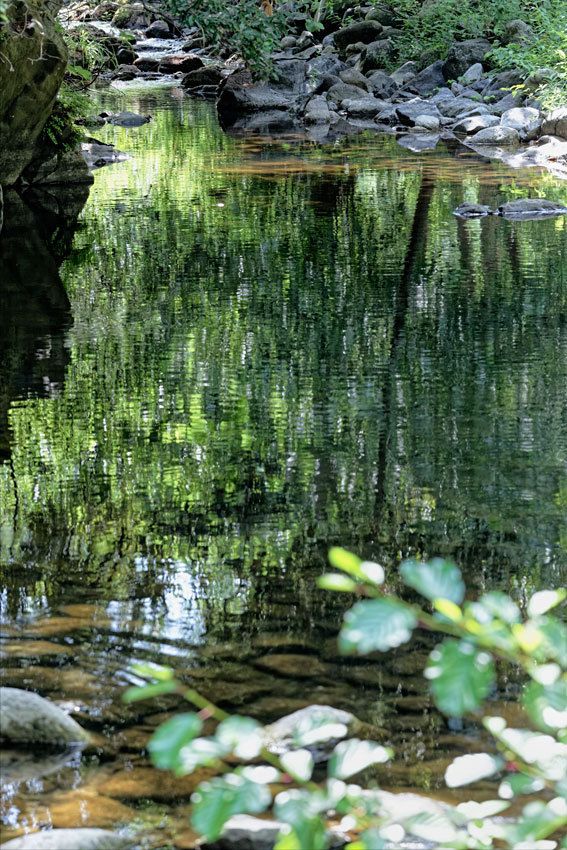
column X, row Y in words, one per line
column 531, row 208
column 472, row 211
column 26, row 717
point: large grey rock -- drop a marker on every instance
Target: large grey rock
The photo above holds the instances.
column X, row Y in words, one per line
column 376, row 55
column 525, row 119
column 352, row 77
column 555, row 124
column 343, row 91
column 531, row 208
column 500, row 136
column 209, row 75
column 406, row 72
column 463, row 54
column 159, row 29
column 69, row 839
column 474, row 123
column 428, row 80
column 317, row 111
column 27, row 718
column 461, row 106
column 409, row 112
column 367, row 107
column 128, row 119
column 518, row 31
column 382, row 84
column 240, row 97
column 361, row 31
column 32, row 64
column 473, row 74
column 180, row 63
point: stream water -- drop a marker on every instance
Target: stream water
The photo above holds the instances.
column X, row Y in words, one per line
column 262, row 347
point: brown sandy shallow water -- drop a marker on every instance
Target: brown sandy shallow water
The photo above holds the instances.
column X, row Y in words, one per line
column 260, row 348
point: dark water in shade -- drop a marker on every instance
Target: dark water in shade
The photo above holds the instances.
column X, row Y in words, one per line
column 255, row 349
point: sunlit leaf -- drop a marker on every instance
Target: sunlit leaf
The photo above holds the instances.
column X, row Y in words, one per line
column 201, row 752
column 298, row 763
column 480, row 811
column 547, row 704
column 436, row 579
column 350, row 757
column 495, row 605
column 169, row 739
column 460, row 676
column 157, row 689
column 148, row 670
column 241, row 735
column 470, row 768
column 544, row 600
column 340, row 559
column 337, row 582
column 376, row 624
column 448, row 609
column 216, row 801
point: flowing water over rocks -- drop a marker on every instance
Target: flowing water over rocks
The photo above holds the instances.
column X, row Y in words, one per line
column 266, row 346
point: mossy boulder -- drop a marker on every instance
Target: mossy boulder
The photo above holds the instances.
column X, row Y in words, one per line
column 34, row 59
column 27, row 718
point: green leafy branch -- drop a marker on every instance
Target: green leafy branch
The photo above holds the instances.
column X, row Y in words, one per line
column 461, row 674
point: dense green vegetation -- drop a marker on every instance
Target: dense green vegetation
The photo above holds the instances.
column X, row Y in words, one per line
column 427, row 30
column 461, row 671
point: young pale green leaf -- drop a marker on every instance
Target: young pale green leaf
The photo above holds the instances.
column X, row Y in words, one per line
column 460, row 677
column 350, row 757
column 376, row 624
column 495, row 605
column 216, row 801
column 544, row 601
column 149, row 670
column 337, row 582
column 158, row 689
column 534, row 748
column 373, row 572
column 299, row 764
column 241, row 735
column 436, row 579
column 470, row 768
column 349, row 563
column 547, row 704
column 449, row 610
column 170, row 738
column 432, row 826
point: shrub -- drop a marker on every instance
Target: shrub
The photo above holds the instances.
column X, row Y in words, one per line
column 461, row 672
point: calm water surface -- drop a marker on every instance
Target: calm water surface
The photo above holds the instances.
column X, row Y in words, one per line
column 254, row 349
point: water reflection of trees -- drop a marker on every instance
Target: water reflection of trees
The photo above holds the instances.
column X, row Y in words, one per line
column 261, row 365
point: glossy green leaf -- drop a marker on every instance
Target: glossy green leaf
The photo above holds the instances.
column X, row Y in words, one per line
column 148, row 670
column 216, row 801
column 157, row 689
column 495, row 606
column 302, row 811
column 241, row 735
column 350, row 757
column 436, row 579
column 537, row 821
column 376, row 624
column 169, row 739
column 518, row 784
column 460, row 676
column 479, row 811
column 470, row 768
column 554, row 643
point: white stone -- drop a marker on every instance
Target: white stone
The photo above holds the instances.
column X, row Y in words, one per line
column 69, row 839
